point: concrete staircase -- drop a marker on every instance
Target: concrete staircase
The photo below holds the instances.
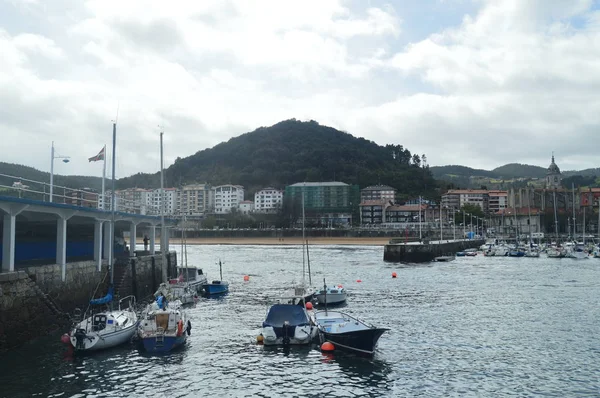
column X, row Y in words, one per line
column 46, row 299
column 122, row 279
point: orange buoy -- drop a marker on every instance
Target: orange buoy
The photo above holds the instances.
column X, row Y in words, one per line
column 309, row 306
column 358, row 280
column 246, row 278
column 327, row 346
column 394, row 275
column 259, row 339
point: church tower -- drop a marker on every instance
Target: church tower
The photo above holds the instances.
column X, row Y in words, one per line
column 553, row 177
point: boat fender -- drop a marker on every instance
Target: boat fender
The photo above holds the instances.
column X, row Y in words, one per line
column 179, row 328
column 189, row 328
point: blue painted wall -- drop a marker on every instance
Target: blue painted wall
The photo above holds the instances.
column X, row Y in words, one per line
column 25, row 251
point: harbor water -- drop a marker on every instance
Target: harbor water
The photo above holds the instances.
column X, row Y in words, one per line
column 477, row 326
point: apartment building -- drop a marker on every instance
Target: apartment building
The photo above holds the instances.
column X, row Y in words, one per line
column 228, row 197
column 195, row 199
column 268, row 200
column 378, row 192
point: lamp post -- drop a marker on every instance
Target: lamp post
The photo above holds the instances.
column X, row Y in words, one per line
column 52, row 157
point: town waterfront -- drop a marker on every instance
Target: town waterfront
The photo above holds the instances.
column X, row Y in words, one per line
column 477, row 326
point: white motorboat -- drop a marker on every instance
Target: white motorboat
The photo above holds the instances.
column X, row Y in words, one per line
column 331, row 295
column 105, row 329
column 287, row 323
column 193, row 276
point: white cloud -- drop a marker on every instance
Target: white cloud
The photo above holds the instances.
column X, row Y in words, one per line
column 512, row 82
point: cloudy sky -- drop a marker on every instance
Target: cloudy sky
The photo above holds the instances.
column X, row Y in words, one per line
column 474, row 82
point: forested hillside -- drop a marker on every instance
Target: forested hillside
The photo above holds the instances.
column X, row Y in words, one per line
column 293, row 151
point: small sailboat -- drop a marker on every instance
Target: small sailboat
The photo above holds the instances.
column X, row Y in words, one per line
column 303, row 289
column 164, row 325
column 217, row 287
column 106, row 328
column 347, row 332
column 179, row 288
column 288, row 323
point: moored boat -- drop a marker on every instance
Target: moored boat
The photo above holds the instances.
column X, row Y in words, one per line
column 287, row 323
column 216, row 287
column 331, row 295
column 105, row 329
column 347, row 332
column 164, row 326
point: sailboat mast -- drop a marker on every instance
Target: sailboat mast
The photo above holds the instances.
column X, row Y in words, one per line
column 111, row 234
column 529, row 213
column 308, row 263
column 574, row 219
column 555, row 217
column 184, row 236
column 163, row 240
column 303, row 241
column 583, row 233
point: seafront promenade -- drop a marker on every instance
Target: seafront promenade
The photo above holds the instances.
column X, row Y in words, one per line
column 363, row 241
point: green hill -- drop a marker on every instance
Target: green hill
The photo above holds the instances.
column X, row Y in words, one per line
column 293, row 151
column 518, row 170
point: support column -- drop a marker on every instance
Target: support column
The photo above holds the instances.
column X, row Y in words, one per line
column 153, row 239
column 98, row 244
column 166, row 241
column 8, row 243
column 61, row 246
column 132, row 238
column 106, row 239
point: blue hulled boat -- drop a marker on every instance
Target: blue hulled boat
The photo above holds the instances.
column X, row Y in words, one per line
column 164, row 326
column 216, row 287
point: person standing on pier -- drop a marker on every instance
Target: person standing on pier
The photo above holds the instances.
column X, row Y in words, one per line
column 146, row 243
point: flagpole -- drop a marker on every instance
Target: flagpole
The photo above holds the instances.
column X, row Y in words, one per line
column 103, row 179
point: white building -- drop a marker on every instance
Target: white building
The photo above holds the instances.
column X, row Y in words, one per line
column 246, row 206
column 228, row 197
column 268, row 200
column 153, row 201
column 195, row 199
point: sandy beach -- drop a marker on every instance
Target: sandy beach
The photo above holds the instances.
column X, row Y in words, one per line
column 281, row 241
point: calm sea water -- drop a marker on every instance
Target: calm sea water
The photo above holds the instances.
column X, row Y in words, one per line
column 473, row 327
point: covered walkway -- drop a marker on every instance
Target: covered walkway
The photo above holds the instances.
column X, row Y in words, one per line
column 37, row 232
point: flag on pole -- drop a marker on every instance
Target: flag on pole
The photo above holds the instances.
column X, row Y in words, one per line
column 99, row 156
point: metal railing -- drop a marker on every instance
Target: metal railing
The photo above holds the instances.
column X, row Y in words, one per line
column 37, row 190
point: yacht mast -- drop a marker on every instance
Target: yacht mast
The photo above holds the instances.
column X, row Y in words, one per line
column 303, row 241
column 111, row 229
column 163, row 238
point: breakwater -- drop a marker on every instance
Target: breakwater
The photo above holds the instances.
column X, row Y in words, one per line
column 414, row 252
column 34, row 301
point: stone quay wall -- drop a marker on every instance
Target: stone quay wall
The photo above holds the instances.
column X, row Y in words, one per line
column 35, row 301
column 421, row 253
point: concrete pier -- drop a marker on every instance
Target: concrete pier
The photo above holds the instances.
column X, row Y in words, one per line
column 415, row 252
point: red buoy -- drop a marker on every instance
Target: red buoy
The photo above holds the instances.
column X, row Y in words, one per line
column 358, row 280
column 309, row 306
column 246, row 278
column 394, row 275
column 327, row 346
column 65, row 339
column 340, row 286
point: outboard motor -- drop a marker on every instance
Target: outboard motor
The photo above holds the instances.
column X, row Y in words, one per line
column 286, row 334
column 80, row 335
column 189, row 327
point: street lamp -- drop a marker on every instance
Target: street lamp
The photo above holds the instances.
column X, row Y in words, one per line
column 65, row 159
